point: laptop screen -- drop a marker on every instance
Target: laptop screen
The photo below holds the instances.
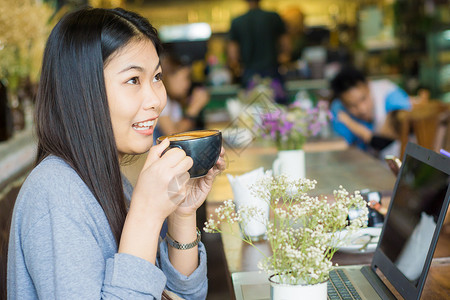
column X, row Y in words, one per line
column 417, row 204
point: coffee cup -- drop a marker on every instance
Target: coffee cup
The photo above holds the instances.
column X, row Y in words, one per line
column 203, row 146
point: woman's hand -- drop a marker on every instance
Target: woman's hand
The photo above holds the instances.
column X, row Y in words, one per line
column 198, row 188
column 182, row 222
column 162, row 183
column 160, row 188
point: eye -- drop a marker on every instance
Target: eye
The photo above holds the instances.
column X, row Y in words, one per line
column 134, row 80
column 158, row 77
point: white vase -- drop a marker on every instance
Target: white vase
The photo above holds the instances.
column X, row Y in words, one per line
column 254, row 227
column 283, row 291
column 290, row 163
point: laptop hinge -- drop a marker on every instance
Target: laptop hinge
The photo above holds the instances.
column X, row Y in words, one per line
column 377, row 284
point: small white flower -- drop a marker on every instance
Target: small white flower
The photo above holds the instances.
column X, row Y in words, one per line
column 301, row 229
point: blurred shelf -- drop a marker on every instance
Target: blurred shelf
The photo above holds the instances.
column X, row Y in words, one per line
column 381, row 45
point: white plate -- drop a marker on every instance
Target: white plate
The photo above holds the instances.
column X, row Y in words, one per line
column 352, row 243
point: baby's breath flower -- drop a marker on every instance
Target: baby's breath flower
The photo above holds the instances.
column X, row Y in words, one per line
column 303, row 230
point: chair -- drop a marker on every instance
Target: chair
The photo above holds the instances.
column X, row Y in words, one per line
column 429, row 123
column 7, row 200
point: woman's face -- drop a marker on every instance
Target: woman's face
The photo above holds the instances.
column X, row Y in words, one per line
column 136, row 95
column 178, row 83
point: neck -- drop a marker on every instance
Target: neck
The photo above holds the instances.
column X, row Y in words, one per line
column 253, row 4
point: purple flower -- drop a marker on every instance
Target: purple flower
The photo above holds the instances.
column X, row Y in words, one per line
column 290, row 127
column 313, row 111
column 322, row 104
column 295, row 104
column 278, row 89
column 286, row 127
column 315, row 128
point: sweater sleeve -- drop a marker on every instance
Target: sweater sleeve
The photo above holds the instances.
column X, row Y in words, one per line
column 65, row 262
column 194, row 286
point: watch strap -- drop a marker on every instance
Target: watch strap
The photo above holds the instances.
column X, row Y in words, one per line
column 177, row 245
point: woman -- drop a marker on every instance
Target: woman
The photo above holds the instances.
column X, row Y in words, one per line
column 74, row 233
column 182, row 110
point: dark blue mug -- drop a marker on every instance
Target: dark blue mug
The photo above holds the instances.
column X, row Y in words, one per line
column 203, row 146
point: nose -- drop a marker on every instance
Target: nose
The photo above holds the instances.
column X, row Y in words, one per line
column 154, row 98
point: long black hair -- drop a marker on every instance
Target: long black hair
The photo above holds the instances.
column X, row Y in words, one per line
column 72, row 114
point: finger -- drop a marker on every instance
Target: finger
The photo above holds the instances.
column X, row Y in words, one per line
column 183, row 166
column 210, row 176
column 218, row 168
column 173, row 157
column 222, row 152
column 155, row 152
column 221, row 161
column 220, row 164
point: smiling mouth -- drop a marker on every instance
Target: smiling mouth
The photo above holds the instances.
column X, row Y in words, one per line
column 143, row 125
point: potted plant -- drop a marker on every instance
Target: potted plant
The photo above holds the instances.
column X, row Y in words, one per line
column 289, row 127
column 303, row 231
column 25, row 25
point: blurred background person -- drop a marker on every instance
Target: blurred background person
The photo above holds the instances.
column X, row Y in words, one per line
column 293, row 19
column 184, row 103
column 365, row 111
column 258, row 44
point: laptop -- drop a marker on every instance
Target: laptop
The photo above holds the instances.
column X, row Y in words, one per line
column 407, row 242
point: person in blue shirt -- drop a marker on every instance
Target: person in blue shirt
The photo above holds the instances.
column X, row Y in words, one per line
column 364, row 111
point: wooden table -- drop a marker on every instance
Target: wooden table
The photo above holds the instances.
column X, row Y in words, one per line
column 348, row 167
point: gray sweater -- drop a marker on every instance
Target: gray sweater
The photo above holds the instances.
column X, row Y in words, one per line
column 61, row 247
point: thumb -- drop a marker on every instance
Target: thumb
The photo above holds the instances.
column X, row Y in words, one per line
column 155, row 152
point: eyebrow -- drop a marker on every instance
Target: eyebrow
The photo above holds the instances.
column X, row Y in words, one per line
column 132, row 67
column 158, row 65
column 138, row 68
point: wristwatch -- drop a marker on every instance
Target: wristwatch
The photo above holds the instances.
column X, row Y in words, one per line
column 180, row 246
